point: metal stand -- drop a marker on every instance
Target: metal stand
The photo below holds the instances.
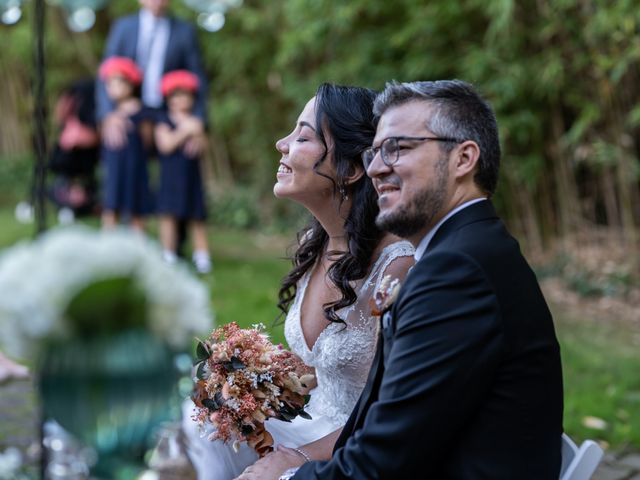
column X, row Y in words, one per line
column 39, row 120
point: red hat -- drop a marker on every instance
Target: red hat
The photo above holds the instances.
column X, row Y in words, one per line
column 121, row 66
column 179, row 79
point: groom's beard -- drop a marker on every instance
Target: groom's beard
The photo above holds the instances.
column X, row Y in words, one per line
column 407, row 220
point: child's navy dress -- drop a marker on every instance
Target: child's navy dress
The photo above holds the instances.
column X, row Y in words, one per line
column 181, row 192
column 126, row 177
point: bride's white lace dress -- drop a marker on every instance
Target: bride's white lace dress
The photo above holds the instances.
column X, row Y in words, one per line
column 341, row 356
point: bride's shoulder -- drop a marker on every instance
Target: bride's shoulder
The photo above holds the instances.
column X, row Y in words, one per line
column 393, row 256
column 393, row 246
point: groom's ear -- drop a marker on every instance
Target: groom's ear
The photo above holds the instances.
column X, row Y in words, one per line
column 466, row 158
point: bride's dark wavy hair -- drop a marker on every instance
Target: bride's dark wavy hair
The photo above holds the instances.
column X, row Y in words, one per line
column 346, row 115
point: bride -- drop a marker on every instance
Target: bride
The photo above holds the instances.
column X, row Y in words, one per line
column 340, row 260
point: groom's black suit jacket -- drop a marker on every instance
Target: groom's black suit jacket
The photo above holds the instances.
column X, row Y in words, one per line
column 467, row 382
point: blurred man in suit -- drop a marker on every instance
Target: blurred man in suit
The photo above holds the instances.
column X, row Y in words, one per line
column 158, row 44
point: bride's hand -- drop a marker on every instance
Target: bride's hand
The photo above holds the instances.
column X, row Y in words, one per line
column 271, row 466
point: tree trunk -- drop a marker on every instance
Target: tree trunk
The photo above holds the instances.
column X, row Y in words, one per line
column 566, row 190
column 13, row 135
column 626, row 182
column 609, row 197
column 221, row 171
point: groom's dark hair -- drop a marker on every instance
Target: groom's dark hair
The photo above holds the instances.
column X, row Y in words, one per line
column 458, row 112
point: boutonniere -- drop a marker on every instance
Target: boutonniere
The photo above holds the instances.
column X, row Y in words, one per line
column 385, row 295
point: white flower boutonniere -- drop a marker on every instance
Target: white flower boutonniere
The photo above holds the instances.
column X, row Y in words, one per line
column 385, row 295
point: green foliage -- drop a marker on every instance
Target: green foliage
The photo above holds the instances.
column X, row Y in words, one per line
column 247, row 271
column 601, row 277
column 562, row 76
column 107, row 306
column 603, row 284
column 600, row 362
column 236, row 208
column 15, row 177
column 241, row 207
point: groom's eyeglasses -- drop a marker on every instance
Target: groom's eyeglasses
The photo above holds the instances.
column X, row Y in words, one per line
column 390, row 149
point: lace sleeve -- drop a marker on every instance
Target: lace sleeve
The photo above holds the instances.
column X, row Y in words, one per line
column 389, row 254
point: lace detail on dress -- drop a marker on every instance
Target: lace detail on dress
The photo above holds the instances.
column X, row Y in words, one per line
column 342, row 355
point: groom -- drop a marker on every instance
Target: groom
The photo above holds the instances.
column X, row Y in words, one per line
column 467, row 382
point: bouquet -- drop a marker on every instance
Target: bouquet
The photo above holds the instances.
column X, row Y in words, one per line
column 72, row 283
column 242, row 380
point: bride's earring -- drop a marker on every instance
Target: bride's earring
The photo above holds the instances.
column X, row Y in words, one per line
column 343, row 194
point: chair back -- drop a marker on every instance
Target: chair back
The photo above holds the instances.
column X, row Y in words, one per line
column 579, row 463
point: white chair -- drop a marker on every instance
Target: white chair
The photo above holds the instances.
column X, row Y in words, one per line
column 579, row 463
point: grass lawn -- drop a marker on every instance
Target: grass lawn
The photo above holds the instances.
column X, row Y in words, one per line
column 246, row 278
column 601, row 369
column 599, row 360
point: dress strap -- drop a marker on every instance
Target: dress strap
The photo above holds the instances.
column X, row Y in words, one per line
column 402, row 248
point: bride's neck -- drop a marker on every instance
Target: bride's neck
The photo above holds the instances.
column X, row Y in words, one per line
column 337, row 244
column 331, row 217
column 334, row 228
column 337, row 237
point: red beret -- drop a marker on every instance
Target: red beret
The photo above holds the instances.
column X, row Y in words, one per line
column 179, row 79
column 121, row 66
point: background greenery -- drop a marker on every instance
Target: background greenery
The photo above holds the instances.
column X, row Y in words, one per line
column 562, row 75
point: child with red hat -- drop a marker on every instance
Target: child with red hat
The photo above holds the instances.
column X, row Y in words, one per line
column 181, row 192
column 126, row 190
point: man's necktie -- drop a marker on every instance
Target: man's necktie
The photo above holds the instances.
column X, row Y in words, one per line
column 147, row 47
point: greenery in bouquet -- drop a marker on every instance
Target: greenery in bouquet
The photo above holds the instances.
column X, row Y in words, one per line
column 74, row 283
column 242, row 380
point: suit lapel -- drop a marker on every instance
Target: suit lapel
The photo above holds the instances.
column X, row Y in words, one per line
column 133, row 44
column 168, row 54
column 375, row 374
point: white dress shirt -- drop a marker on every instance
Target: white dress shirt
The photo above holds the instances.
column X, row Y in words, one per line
column 153, row 39
column 424, row 243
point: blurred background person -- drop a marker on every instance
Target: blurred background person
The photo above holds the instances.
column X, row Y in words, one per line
column 181, row 195
column 158, row 43
column 74, row 156
column 126, row 179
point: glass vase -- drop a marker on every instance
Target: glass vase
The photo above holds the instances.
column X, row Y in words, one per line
column 110, row 392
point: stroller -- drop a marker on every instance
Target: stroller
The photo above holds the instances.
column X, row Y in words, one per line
column 74, row 157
